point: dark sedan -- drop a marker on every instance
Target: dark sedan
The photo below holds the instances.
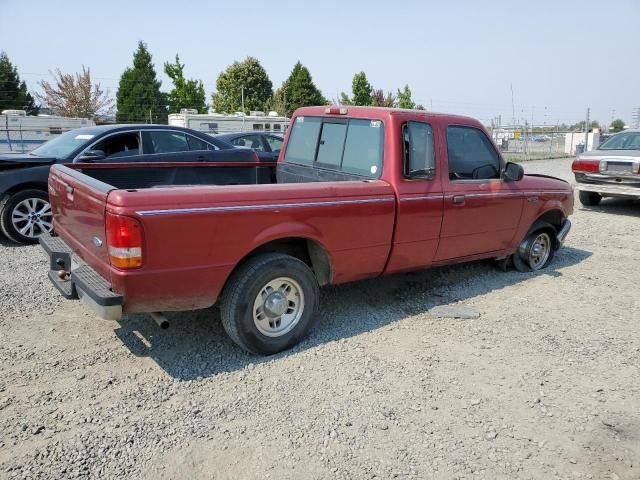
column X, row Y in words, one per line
column 267, row 145
column 24, row 205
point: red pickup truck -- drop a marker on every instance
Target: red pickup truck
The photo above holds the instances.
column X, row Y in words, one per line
column 357, row 192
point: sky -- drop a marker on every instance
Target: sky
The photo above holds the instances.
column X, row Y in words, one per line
column 464, row 56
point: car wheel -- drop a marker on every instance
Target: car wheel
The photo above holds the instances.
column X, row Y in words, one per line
column 25, row 215
column 536, row 251
column 589, row 199
column 269, row 302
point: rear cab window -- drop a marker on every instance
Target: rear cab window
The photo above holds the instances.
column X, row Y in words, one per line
column 349, row 145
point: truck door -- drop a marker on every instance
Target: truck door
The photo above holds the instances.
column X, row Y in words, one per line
column 481, row 211
column 420, row 199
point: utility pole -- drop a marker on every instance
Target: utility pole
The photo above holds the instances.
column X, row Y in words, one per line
column 242, row 101
column 150, row 118
column 513, row 108
column 586, row 132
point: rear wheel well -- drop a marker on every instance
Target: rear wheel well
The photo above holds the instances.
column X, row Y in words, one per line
column 308, row 251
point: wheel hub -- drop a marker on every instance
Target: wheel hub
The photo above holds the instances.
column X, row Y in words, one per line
column 275, row 305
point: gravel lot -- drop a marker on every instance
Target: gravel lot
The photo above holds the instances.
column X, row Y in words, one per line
column 544, row 384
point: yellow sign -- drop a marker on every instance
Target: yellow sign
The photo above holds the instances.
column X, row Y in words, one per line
column 517, row 134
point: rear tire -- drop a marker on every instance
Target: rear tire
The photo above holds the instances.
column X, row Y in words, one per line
column 589, row 199
column 25, row 215
column 268, row 304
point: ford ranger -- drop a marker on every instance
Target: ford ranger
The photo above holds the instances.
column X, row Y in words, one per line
column 358, row 192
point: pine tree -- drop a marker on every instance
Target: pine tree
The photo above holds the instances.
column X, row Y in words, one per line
column 299, row 91
column 13, row 91
column 139, row 98
column 247, row 78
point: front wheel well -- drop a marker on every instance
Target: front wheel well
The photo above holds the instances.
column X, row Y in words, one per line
column 304, row 249
column 553, row 217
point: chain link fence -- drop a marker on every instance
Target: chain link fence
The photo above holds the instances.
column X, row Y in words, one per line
column 522, row 143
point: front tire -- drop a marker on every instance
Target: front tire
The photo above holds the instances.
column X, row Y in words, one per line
column 536, row 251
column 269, row 303
column 25, row 215
column 589, row 199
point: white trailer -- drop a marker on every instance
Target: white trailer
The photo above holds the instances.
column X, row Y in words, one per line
column 214, row 123
column 21, row 133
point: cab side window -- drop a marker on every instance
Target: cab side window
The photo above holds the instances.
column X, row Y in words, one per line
column 419, row 152
column 471, row 155
column 168, row 142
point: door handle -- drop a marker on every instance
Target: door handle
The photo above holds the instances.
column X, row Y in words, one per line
column 458, row 199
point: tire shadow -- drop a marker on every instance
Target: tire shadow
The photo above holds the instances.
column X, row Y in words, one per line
column 616, row 206
column 195, row 346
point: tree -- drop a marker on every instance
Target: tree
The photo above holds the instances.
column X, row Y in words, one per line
column 75, row 95
column 361, row 89
column 139, row 98
column 379, row 99
column 344, row 99
column 299, row 91
column 579, row 127
column 248, row 78
column 186, row 93
column 404, row 98
column 616, row 126
column 13, row 91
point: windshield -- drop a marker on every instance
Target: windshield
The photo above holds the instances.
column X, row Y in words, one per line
column 622, row 141
column 63, row 145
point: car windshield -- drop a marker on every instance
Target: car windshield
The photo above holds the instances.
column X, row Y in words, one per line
column 63, row 145
column 622, row 141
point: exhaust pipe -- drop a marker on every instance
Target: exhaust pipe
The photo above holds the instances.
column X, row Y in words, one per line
column 160, row 319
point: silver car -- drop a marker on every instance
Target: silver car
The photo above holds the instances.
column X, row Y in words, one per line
column 611, row 170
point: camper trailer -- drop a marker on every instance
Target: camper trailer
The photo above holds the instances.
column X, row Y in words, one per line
column 20, row 133
column 214, row 123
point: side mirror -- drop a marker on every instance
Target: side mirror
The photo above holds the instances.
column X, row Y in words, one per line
column 91, row 156
column 513, row 172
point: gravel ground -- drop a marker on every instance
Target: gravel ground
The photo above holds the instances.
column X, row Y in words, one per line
column 545, row 383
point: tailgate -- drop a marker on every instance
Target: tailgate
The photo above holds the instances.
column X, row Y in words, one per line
column 78, row 203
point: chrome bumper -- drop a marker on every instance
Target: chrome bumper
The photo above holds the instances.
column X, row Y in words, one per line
column 610, row 190
column 563, row 232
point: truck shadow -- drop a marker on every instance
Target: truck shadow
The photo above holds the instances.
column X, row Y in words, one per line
column 195, row 346
column 617, row 206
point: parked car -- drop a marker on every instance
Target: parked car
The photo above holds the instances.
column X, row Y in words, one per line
column 359, row 192
column 611, row 170
column 24, row 205
column 267, row 145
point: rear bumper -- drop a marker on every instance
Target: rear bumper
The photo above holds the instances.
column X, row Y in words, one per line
column 75, row 280
column 610, row 190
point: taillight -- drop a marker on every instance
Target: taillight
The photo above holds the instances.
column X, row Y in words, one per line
column 124, row 239
column 585, row 165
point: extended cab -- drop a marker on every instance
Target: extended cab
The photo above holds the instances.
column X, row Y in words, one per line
column 358, row 192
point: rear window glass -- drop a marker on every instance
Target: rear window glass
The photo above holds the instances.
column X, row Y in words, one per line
column 303, row 140
column 350, row 145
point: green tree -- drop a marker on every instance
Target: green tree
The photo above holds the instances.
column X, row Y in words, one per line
column 13, row 91
column 361, row 89
column 186, row 93
column 344, row 99
column 404, row 98
column 139, row 97
column 299, row 91
column 247, row 76
column 379, row 99
column 616, row 126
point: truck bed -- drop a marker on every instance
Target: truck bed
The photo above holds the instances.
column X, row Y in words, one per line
column 208, row 218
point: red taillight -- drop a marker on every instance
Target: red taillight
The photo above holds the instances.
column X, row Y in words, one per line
column 124, row 239
column 585, row 165
column 336, row 110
